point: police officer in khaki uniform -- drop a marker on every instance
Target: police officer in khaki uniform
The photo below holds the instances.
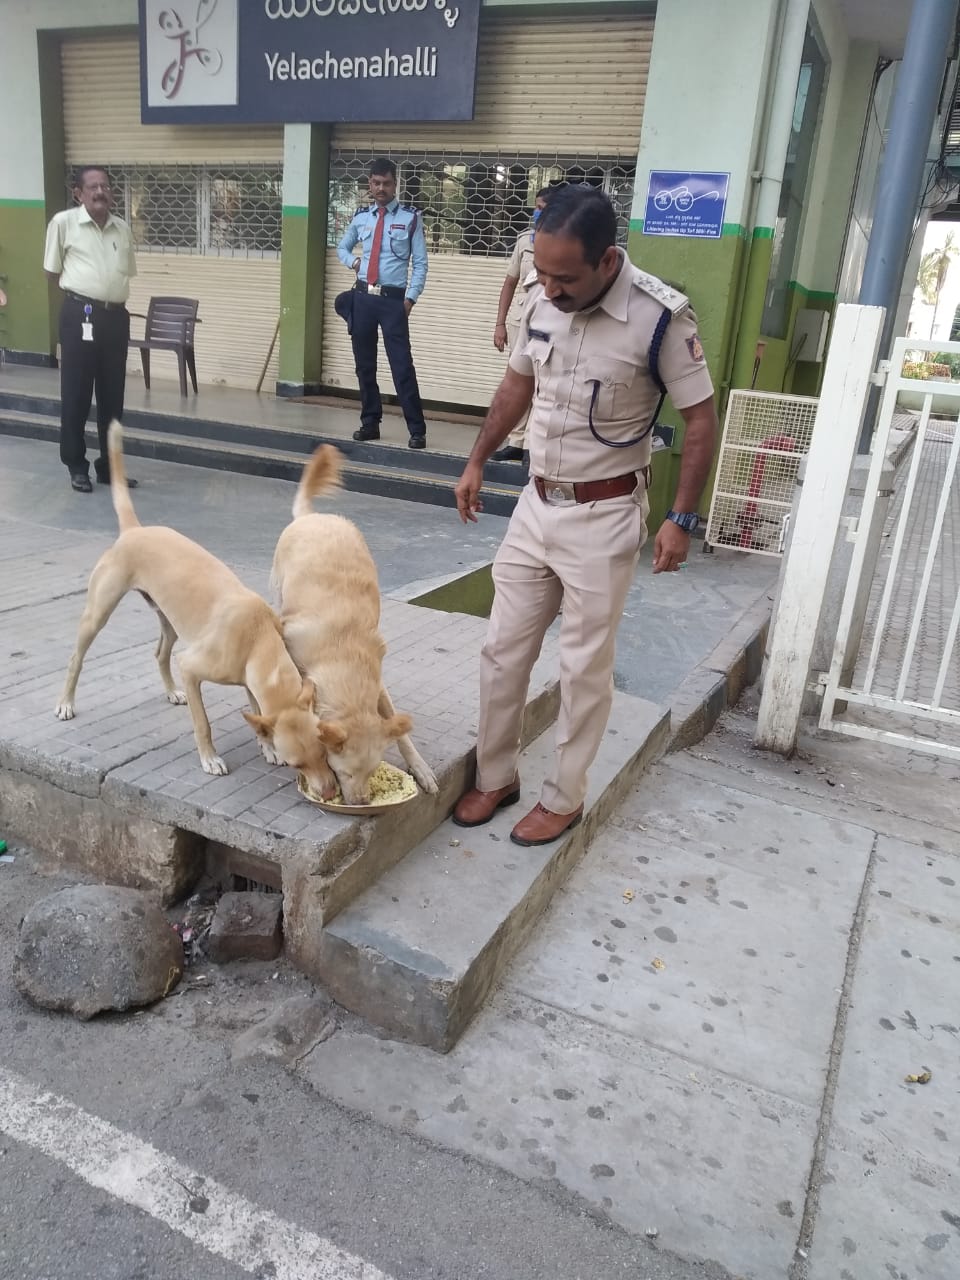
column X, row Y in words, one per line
column 596, row 334
column 513, row 298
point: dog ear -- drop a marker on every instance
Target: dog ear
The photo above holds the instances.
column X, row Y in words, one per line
column 306, row 695
column 397, row 725
column 331, row 734
column 262, row 726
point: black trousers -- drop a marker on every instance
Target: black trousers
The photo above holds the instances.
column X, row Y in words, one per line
column 85, row 367
column 372, row 312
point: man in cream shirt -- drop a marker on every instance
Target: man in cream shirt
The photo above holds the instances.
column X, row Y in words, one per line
column 90, row 252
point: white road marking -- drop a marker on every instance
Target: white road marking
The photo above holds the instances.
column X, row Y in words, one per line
column 197, row 1207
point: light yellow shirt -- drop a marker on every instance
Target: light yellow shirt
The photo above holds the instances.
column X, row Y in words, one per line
column 92, row 262
column 596, row 361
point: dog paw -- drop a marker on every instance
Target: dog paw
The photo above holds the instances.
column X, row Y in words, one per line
column 426, row 778
column 269, row 754
column 65, row 711
column 178, row 698
column 214, row 765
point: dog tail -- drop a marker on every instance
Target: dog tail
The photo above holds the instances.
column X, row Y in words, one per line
column 122, row 505
column 320, row 475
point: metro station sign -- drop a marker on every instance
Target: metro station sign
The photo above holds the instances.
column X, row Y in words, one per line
column 268, row 61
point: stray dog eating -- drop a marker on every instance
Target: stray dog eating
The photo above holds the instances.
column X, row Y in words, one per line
column 330, row 609
column 231, row 636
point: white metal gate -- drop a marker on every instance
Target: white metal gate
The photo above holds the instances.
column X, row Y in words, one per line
column 901, row 684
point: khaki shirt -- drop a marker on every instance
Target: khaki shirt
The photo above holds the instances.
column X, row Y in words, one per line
column 520, row 267
column 569, row 354
column 92, row 262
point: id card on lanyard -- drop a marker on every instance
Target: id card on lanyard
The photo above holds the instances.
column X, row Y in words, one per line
column 86, row 328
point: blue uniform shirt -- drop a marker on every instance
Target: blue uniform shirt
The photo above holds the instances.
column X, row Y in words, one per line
column 403, row 243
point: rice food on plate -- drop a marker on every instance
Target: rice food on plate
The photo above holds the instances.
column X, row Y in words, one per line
column 388, row 785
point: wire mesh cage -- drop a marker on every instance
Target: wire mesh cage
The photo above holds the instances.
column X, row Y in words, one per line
column 474, row 203
column 765, row 437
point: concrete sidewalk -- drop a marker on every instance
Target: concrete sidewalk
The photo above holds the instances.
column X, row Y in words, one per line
column 709, row 1036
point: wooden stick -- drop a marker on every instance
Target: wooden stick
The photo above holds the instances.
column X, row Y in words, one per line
column 273, row 343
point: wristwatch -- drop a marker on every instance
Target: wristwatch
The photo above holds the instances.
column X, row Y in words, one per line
column 688, row 521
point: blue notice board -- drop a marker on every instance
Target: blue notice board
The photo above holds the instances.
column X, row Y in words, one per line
column 686, row 204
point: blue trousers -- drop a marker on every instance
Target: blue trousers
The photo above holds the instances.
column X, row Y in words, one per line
column 370, row 314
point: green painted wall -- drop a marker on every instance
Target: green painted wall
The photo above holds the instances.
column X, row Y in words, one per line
column 709, row 272
column 25, row 322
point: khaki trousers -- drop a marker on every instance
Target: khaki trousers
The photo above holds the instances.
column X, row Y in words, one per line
column 582, row 556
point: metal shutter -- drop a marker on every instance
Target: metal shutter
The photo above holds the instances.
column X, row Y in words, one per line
column 586, row 99
column 576, row 82
column 239, row 306
column 101, row 112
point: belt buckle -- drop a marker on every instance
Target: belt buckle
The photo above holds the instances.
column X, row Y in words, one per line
column 375, row 289
column 557, row 492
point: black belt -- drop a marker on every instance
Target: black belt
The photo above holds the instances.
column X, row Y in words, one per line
column 95, row 302
column 387, row 290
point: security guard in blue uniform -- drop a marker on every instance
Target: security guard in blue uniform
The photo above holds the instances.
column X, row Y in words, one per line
column 391, row 240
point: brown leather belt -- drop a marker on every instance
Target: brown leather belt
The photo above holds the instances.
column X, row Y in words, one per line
column 585, row 490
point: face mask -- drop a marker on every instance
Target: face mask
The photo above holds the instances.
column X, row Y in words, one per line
column 536, row 216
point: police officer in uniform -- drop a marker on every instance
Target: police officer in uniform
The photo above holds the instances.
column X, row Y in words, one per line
column 597, row 340
column 513, row 298
column 391, row 272
column 89, row 250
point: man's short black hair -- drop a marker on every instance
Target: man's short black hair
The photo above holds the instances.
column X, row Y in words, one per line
column 584, row 214
column 80, row 173
column 383, row 166
column 544, row 193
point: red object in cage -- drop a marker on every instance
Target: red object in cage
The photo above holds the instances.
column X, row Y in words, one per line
column 749, row 513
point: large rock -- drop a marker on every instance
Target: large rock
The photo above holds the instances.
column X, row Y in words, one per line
column 96, row 947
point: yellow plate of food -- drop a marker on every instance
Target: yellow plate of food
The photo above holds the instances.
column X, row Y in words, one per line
column 389, row 787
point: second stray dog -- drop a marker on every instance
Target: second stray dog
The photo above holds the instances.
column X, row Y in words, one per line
column 231, row 635
column 330, row 608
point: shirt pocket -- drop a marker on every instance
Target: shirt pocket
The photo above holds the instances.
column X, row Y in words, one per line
column 400, row 244
column 539, row 352
column 607, row 386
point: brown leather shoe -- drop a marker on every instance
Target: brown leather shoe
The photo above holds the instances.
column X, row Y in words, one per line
column 540, row 826
column 475, row 807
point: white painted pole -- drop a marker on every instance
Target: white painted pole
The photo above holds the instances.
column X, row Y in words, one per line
column 846, row 381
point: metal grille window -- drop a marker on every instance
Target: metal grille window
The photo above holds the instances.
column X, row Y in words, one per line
column 196, row 209
column 475, row 204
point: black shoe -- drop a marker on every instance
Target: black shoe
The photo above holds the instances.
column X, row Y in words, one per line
column 80, row 481
column 417, row 442
column 367, row 433
column 103, row 477
column 507, row 454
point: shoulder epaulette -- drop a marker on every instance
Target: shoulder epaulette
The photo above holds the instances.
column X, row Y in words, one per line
column 530, row 279
column 364, row 208
column 675, row 301
column 410, row 208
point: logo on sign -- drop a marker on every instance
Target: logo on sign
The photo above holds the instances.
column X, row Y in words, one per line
column 191, row 53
